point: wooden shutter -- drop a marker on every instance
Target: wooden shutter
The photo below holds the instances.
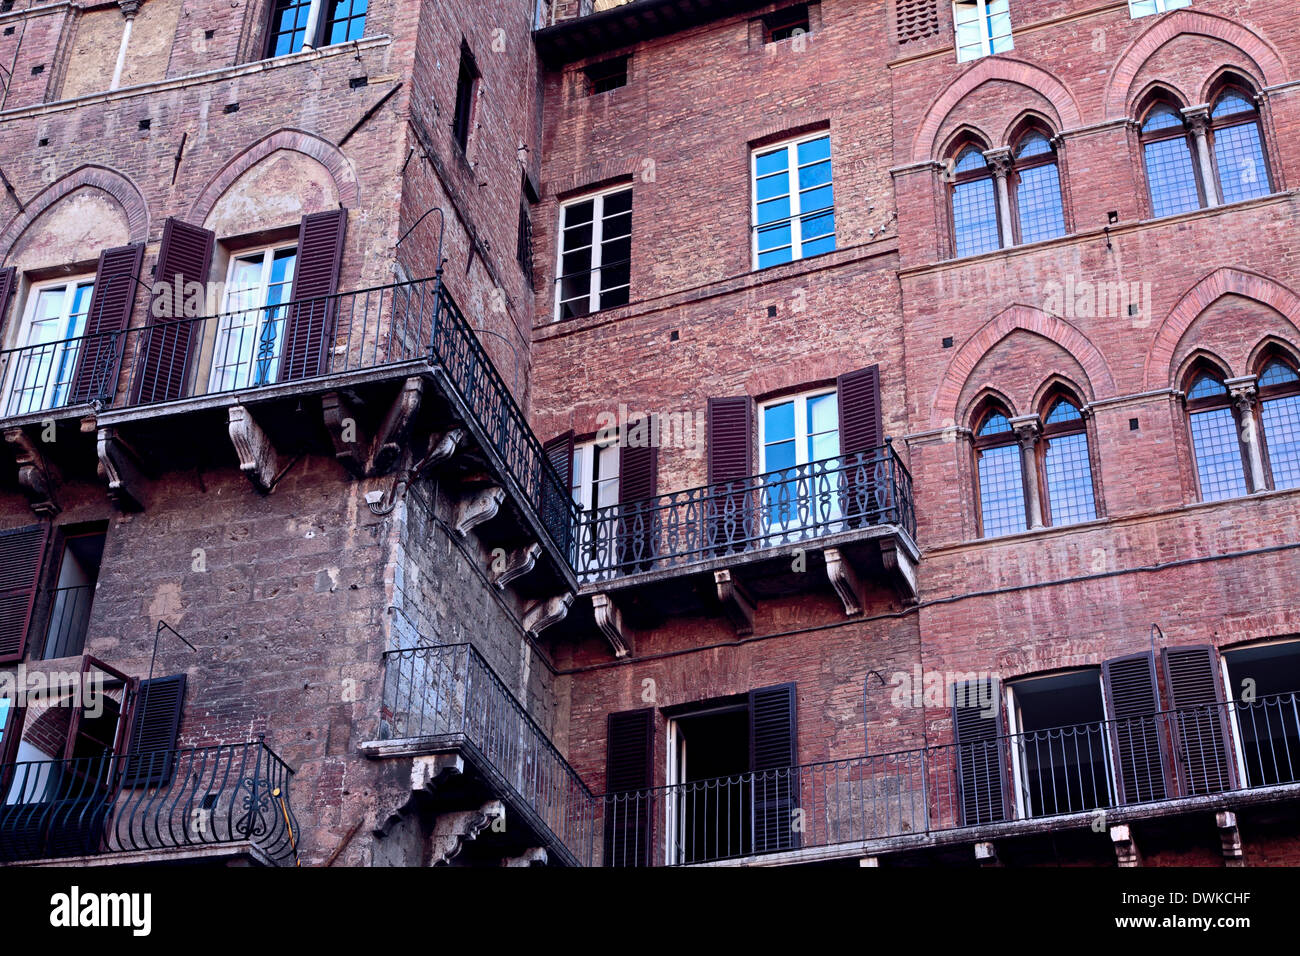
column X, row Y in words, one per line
column 309, row 326
column 866, row 491
column 773, row 738
column 556, row 510
column 981, row 752
column 163, row 365
column 150, row 750
column 22, row 552
column 8, row 279
column 1200, row 724
column 638, row 481
column 111, row 302
column 1137, row 737
column 628, row 779
column 728, row 511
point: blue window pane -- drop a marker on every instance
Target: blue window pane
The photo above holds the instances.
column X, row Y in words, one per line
column 1171, row 177
column 768, row 187
column 1038, row 200
column 1062, row 412
column 975, row 217
column 347, row 20
column 1035, row 144
column 774, row 257
column 1230, row 104
column 1281, row 417
column 1069, row 479
column 816, row 199
column 995, row 424
column 814, row 150
column 819, row 225
column 1275, row 373
column 1002, row 491
column 970, row 160
column 1162, row 117
column 1218, row 455
column 1243, row 174
column 778, row 422
column 774, row 210
column 816, row 247
column 779, row 456
column 818, row 174
column 772, row 162
column 1207, row 386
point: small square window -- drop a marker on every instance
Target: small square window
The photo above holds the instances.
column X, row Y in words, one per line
column 466, row 87
column 983, row 28
column 606, row 75
column 786, row 23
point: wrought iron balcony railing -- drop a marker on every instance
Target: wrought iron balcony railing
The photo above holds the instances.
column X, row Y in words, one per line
column 447, row 695
column 1040, row 774
column 772, row 510
column 304, row 339
column 170, row 800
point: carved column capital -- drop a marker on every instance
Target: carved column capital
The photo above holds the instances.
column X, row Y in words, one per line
column 1000, row 160
column 1244, row 392
column 1027, row 429
column 1198, row 118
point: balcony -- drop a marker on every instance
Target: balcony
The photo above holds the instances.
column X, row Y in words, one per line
column 1022, row 785
column 222, row 802
column 849, row 518
column 446, row 699
column 371, row 367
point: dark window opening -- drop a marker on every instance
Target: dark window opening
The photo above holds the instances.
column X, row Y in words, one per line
column 73, row 593
column 606, row 75
column 1060, row 751
column 784, row 24
column 715, row 792
column 1264, row 683
column 524, row 250
column 466, row 87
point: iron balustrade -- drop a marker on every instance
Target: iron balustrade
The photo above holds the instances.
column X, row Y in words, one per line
column 448, row 695
column 87, row 806
column 772, row 510
column 1038, row 774
column 69, row 620
column 171, row 359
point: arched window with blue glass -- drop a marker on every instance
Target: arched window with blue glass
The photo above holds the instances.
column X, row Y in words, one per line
column 1066, row 464
column 793, row 200
column 975, row 225
column 1168, row 157
column 1000, row 474
column 1215, row 432
column 1239, row 158
column 1036, row 188
column 1279, row 418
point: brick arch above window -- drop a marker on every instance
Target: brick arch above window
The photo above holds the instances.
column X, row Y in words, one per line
column 1269, row 348
column 1119, row 94
column 121, row 189
column 983, row 71
column 323, row 151
column 1222, row 282
column 1054, row 388
column 948, row 394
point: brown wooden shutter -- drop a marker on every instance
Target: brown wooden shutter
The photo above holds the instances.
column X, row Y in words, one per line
column 111, row 302
column 981, row 752
column 1137, row 737
column 1200, row 726
column 559, row 451
column 638, row 482
column 773, row 742
column 629, row 776
column 150, row 754
column 309, row 326
column 8, row 280
column 22, row 551
column 163, row 364
column 866, row 489
column 729, row 512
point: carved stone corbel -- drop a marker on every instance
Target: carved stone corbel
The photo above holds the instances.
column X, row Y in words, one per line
column 473, row 510
column 1126, row 851
column 1230, row 838
column 444, row 447
column 986, row 853
column 36, row 475
column 428, row 773
column 119, row 467
column 396, row 427
column 257, row 456
column 518, row 563
column 844, row 579
column 610, row 622
column 542, row 614
column 898, row 562
column 533, row 856
column 451, row 831
column 351, row 444
column 736, row 602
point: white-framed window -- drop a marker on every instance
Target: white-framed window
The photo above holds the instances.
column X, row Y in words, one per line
column 1144, row 8
column 250, row 329
column 795, row 435
column 48, row 345
column 595, row 486
column 595, row 253
column 793, row 200
column 983, row 28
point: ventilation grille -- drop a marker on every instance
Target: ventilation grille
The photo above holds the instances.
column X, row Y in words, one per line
column 917, row 19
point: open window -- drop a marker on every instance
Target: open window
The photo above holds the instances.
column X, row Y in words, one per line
column 73, row 595
column 1264, row 687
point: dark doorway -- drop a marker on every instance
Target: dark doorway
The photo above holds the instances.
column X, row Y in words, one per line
column 1060, row 744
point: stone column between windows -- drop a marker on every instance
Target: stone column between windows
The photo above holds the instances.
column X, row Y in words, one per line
column 1000, row 162
column 1244, row 395
column 1027, row 429
column 129, row 10
column 313, row 23
column 1198, row 120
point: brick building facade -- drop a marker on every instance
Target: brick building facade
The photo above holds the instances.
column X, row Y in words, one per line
column 859, row 431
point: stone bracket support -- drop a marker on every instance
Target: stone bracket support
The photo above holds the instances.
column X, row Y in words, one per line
column 609, row 620
column 119, row 467
column 258, row 459
column 736, row 602
column 36, row 476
